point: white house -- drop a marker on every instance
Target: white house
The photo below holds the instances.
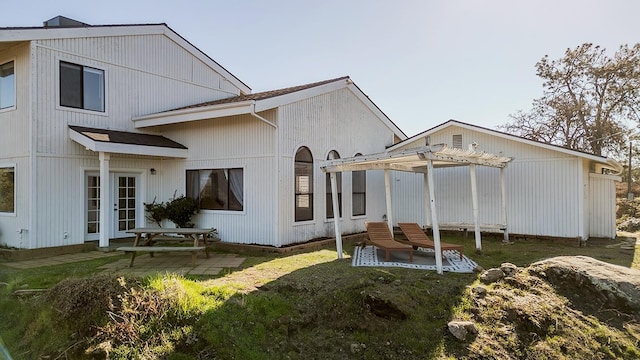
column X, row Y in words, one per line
column 550, row 191
column 122, row 115
column 98, row 120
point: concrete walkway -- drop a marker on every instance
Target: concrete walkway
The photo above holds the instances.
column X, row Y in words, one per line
column 178, row 263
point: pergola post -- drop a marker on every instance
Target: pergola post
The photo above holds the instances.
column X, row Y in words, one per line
column 427, row 219
column 105, row 208
column 503, row 199
column 474, row 201
column 387, row 192
column 434, row 217
column 336, row 213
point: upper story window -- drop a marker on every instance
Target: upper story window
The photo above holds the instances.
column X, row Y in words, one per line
column 7, row 190
column 7, row 85
column 329, row 198
column 303, row 185
column 217, row 189
column 81, row 87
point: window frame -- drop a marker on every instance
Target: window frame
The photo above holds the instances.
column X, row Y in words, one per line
column 15, row 192
column 15, row 85
column 328, row 192
column 83, row 107
column 225, row 210
column 311, row 185
column 364, row 192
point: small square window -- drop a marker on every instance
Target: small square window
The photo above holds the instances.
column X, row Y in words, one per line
column 7, row 189
column 81, row 87
column 7, row 85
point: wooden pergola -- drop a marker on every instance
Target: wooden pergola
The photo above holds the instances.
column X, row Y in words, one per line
column 419, row 160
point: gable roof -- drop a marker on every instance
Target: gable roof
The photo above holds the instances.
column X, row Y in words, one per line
column 252, row 103
column 11, row 35
column 611, row 163
column 124, row 142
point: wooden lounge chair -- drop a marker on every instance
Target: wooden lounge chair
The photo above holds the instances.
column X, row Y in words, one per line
column 417, row 237
column 380, row 236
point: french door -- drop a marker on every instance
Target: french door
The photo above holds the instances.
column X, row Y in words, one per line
column 124, row 200
column 125, row 204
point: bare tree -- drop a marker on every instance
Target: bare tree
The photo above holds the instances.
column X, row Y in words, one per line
column 589, row 100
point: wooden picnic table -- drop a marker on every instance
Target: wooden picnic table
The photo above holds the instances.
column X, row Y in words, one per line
column 145, row 238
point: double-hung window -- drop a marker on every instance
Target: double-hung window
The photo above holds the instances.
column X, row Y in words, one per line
column 359, row 192
column 7, row 85
column 81, row 87
column 7, row 189
column 303, row 179
column 217, row 189
column 329, row 197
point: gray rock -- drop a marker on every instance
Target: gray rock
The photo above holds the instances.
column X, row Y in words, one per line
column 508, row 269
column 491, row 275
column 479, row 291
column 616, row 286
column 460, row 329
column 357, row 348
column 478, row 269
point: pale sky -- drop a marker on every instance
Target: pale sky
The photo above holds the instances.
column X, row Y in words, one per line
column 421, row 61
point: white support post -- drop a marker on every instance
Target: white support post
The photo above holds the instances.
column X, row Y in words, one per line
column 387, row 192
column 336, row 213
column 105, row 204
column 427, row 218
column 474, row 201
column 503, row 199
column 434, row 217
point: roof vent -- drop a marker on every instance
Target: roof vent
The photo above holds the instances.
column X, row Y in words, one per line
column 61, row 21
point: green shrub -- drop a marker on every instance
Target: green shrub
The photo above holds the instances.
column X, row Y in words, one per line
column 179, row 210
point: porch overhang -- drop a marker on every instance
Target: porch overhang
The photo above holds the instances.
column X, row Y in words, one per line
column 415, row 160
column 123, row 142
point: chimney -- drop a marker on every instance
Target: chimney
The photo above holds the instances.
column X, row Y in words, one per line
column 63, row 22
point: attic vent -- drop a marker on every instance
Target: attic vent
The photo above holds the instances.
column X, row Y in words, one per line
column 61, row 21
column 457, row 141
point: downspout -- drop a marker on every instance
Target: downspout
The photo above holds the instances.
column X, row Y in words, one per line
column 253, row 113
column 276, row 162
column 33, row 151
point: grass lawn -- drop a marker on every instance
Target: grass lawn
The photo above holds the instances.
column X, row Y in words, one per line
column 297, row 306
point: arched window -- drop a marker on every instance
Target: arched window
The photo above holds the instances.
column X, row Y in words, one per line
column 359, row 192
column 303, row 184
column 333, row 155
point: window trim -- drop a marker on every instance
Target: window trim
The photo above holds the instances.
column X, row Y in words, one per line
column 311, row 188
column 15, row 85
column 222, row 211
column 105, row 87
column 15, row 190
column 364, row 172
column 328, row 191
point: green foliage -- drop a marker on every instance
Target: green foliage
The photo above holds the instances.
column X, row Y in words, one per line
column 588, row 100
column 179, row 210
column 156, row 212
column 303, row 306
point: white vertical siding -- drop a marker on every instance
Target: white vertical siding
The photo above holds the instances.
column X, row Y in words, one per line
column 542, row 188
column 15, row 148
column 234, row 142
column 334, row 121
column 602, row 206
column 143, row 74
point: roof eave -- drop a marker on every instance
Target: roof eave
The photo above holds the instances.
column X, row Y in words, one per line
column 193, row 114
column 130, row 149
column 601, row 159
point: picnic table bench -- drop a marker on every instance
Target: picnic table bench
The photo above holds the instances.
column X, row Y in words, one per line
column 152, row 235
